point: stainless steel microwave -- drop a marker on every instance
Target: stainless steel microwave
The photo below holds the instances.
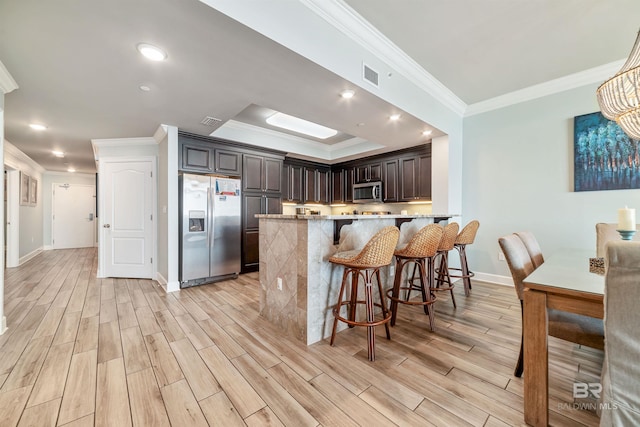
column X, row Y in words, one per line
column 367, row 192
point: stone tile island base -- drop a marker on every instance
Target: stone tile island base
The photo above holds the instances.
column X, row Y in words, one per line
column 299, row 286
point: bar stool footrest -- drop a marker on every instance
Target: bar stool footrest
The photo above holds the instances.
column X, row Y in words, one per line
column 336, row 313
column 408, row 288
column 460, row 276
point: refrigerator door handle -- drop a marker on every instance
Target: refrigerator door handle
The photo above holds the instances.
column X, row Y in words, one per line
column 210, row 217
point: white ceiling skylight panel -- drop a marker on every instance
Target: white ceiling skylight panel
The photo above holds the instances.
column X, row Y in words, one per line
column 296, row 124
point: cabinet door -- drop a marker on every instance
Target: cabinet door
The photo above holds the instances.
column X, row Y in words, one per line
column 197, row 158
column 250, row 251
column 310, row 186
column 350, row 179
column 375, row 172
column 272, row 205
column 252, row 206
column 369, row 172
column 323, row 186
column 297, row 183
column 408, row 179
column 286, row 183
column 362, row 173
column 424, row 177
column 272, row 175
column 252, row 172
column 390, row 182
column 228, row 162
column 337, row 186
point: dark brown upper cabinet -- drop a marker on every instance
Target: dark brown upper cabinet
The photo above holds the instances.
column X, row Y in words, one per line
column 227, row 162
column 197, row 158
column 369, row 172
column 261, row 174
column 415, row 178
column 390, row 180
column 292, row 183
column 316, row 185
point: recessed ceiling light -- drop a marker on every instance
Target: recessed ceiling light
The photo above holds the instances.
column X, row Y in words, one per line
column 58, row 153
column 296, row 124
column 360, row 124
column 426, row 132
column 144, row 88
column 36, row 126
column 71, row 170
column 347, row 93
column 394, row 117
column 151, row 52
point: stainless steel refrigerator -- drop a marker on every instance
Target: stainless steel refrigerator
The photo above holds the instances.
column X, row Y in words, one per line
column 210, row 229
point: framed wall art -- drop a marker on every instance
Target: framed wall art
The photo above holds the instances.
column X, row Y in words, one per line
column 33, row 191
column 24, row 188
column 605, row 158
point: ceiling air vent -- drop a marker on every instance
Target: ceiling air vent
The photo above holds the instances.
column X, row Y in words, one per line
column 211, row 121
column 370, row 75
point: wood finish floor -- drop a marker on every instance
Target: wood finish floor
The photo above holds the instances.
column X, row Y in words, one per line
column 82, row 351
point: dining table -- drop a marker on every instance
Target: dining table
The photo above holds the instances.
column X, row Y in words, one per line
column 562, row 282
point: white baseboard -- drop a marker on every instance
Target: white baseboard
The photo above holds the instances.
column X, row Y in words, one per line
column 3, row 325
column 167, row 286
column 29, row 256
column 47, row 247
column 494, row 278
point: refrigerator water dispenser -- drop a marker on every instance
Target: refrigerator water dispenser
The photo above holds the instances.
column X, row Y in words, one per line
column 196, row 221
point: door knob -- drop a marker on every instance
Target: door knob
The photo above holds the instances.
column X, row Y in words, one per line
column 107, row 226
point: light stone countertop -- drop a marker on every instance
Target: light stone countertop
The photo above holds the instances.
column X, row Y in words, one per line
column 332, row 217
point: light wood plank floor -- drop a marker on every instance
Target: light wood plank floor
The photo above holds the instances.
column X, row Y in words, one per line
column 86, row 351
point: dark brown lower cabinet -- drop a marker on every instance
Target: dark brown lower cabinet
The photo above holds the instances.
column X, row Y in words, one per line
column 252, row 204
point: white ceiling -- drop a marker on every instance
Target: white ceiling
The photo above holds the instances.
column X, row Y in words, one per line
column 78, row 71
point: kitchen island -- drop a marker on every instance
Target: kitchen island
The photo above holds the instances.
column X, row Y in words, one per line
column 298, row 283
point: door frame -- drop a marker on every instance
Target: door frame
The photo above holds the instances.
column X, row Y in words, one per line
column 101, row 212
column 93, row 229
column 13, row 217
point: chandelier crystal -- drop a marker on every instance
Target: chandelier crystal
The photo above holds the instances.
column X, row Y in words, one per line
column 619, row 97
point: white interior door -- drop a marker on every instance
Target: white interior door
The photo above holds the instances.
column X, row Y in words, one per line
column 128, row 190
column 73, row 216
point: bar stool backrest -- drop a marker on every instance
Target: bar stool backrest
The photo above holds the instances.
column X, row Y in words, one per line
column 449, row 236
column 379, row 249
column 424, row 243
column 468, row 234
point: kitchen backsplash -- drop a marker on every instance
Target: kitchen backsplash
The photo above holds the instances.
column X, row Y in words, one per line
column 394, row 208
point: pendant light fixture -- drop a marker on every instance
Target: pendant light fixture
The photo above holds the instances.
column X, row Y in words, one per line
column 619, row 97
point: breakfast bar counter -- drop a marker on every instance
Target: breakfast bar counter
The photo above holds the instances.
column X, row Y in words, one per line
column 298, row 284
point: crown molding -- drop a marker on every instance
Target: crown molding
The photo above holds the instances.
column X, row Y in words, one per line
column 572, row 81
column 354, row 26
column 17, row 159
column 7, row 83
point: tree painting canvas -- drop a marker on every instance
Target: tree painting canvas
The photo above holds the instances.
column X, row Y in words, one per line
column 605, row 158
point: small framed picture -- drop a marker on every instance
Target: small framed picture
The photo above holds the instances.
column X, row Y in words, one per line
column 33, row 191
column 24, row 188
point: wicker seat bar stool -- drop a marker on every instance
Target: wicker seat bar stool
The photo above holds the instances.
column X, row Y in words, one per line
column 366, row 263
column 443, row 279
column 466, row 237
column 420, row 251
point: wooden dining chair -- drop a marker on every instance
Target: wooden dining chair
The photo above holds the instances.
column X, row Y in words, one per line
column 567, row 326
column 620, row 371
